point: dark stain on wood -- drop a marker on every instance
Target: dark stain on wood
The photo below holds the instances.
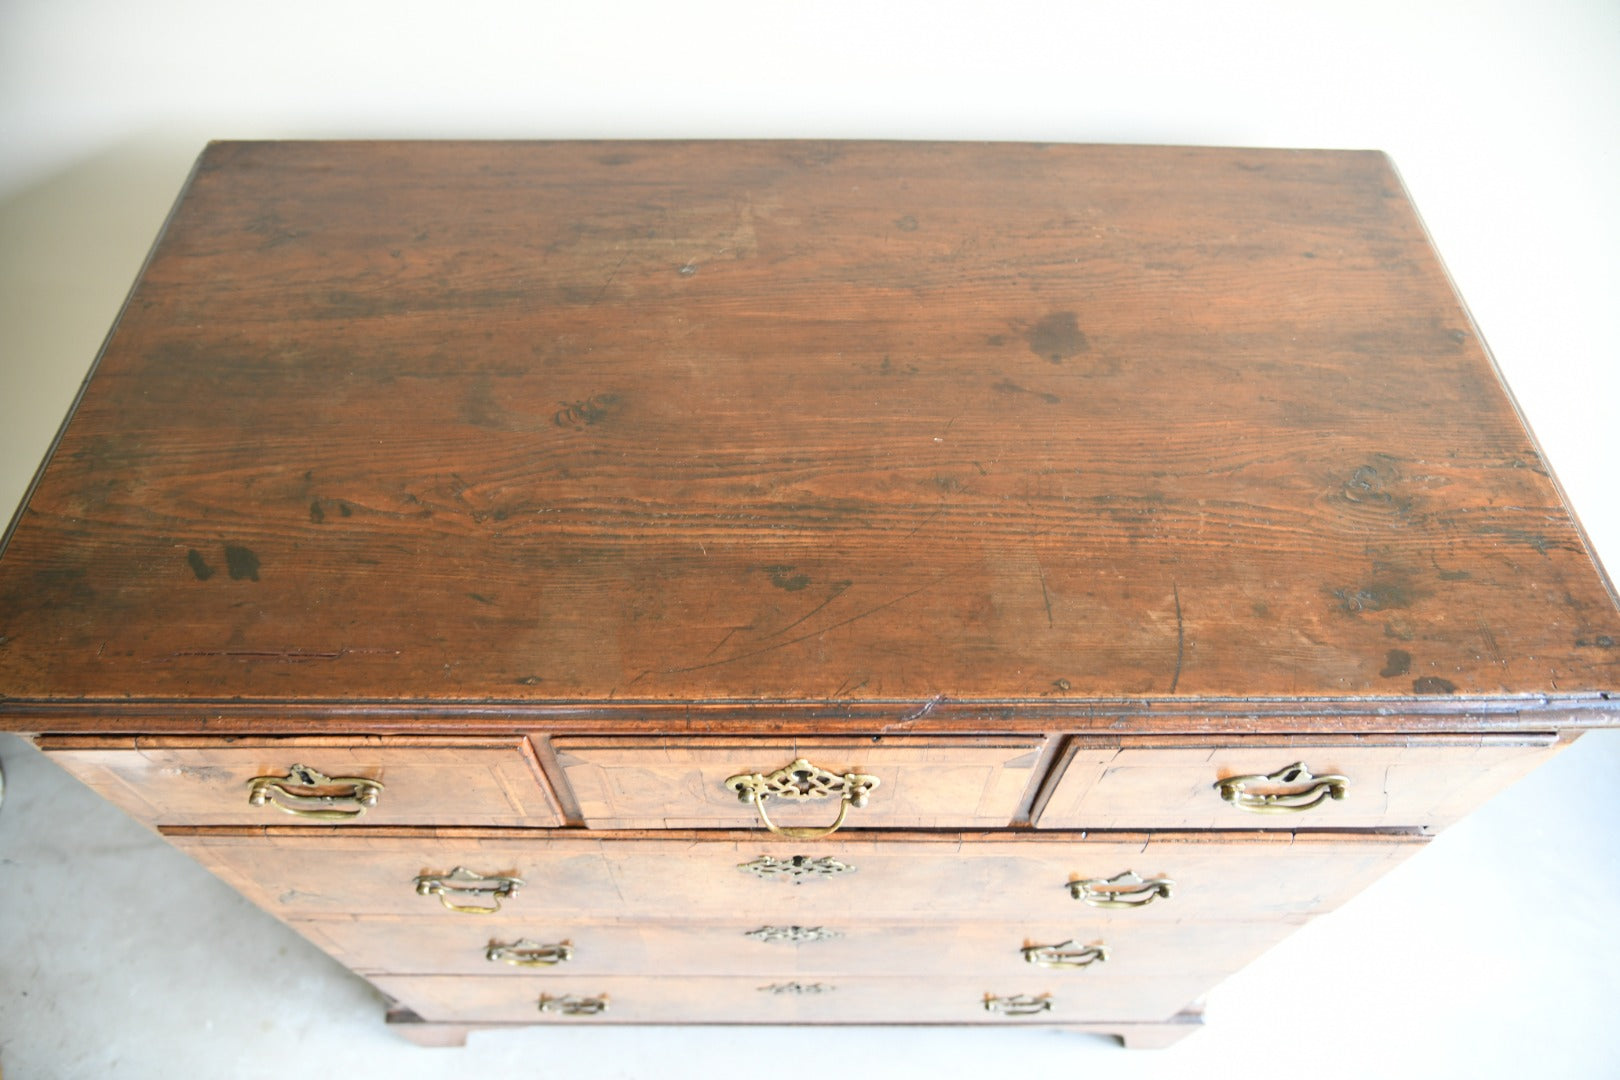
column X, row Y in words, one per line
column 1397, row 662
column 316, row 514
column 1007, row 386
column 785, row 577
column 199, row 565
column 1530, row 538
column 906, row 223
column 1433, row 684
column 593, row 410
column 1181, row 637
column 1057, row 337
column 1379, row 594
column 1376, row 485
column 241, row 563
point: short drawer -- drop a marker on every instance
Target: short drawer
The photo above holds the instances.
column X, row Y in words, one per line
column 313, row 781
column 1370, row 781
column 874, row 782
column 1047, row 877
column 565, row 947
column 783, row 999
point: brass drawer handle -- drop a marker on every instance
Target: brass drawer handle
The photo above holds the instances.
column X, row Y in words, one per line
column 574, row 1004
column 526, row 953
column 1307, row 791
column 1125, row 890
column 1018, row 1004
column 1062, row 955
column 304, row 792
column 462, row 882
column 800, row 781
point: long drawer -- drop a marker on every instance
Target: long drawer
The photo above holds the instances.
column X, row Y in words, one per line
column 1034, row 997
column 1170, row 877
column 568, row 946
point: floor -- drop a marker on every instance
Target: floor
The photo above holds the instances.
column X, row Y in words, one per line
column 1492, row 954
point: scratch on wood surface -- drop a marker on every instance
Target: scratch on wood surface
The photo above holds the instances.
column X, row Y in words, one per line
column 927, row 707
column 285, row 656
column 1181, row 637
column 613, row 273
column 719, row 643
column 845, row 686
column 1045, row 596
column 839, row 588
column 750, row 653
column 929, row 520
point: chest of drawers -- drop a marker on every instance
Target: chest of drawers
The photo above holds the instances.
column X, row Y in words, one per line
column 797, row 583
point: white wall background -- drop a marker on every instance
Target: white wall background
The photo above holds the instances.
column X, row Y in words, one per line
column 1504, row 118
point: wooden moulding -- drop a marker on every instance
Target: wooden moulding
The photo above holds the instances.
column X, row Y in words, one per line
column 1146, row 1035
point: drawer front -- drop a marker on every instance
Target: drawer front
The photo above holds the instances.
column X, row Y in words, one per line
column 1284, row 783
column 1033, row 997
column 298, row 874
column 565, row 947
column 164, row 781
column 921, row 783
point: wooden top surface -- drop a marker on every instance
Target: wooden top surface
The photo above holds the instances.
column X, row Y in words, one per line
column 579, row 423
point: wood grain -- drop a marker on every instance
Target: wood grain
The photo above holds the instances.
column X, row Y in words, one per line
column 922, row 783
column 1392, row 781
column 431, row 946
column 745, row 1000
column 556, row 424
column 312, row 873
column 170, row 781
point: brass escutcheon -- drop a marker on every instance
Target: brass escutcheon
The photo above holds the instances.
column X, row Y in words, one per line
column 796, row 935
column 798, row 989
column 796, row 868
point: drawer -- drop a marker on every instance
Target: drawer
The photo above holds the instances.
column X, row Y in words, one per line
column 303, row 874
column 566, row 947
column 173, row 781
column 1328, row 782
column 914, row 783
column 1031, row 997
